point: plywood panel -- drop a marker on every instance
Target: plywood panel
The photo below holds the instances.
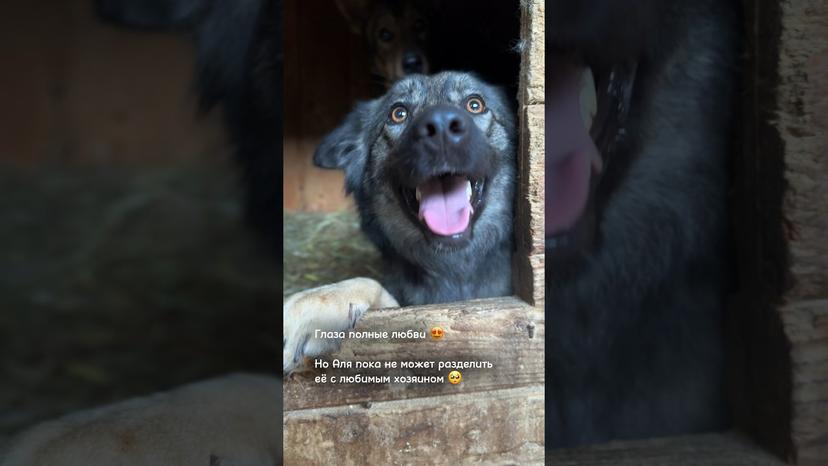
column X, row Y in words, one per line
column 326, row 72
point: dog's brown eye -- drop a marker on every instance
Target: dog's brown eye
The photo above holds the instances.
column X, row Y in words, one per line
column 399, row 113
column 385, row 35
column 475, row 105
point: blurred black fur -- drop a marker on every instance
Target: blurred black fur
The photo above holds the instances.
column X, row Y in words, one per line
column 634, row 324
column 239, row 68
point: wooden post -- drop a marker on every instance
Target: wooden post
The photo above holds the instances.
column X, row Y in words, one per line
column 778, row 326
column 529, row 215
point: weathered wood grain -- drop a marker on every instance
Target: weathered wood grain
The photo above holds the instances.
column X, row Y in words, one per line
column 726, row 449
column 802, row 121
column 498, row 427
column 504, row 331
column 533, row 58
column 529, row 234
column 806, row 325
column 529, row 215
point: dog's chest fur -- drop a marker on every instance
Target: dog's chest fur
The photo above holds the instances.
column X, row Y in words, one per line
column 449, row 280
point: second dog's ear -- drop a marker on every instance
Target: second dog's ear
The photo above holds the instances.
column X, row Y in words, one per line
column 356, row 12
column 346, row 147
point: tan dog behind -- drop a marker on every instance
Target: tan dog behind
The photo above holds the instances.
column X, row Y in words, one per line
column 395, row 33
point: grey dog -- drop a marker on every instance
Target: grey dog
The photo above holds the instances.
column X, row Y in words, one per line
column 431, row 166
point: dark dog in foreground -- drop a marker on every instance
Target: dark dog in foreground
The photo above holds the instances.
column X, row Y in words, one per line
column 431, row 166
column 636, row 216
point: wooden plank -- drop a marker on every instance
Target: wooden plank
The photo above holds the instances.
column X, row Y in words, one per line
column 802, row 121
column 529, row 215
column 725, row 449
column 494, row 330
column 806, row 325
column 784, row 219
column 533, row 58
column 757, row 349
column 497, row 427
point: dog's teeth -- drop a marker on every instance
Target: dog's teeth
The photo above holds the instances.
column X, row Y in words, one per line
column 418, row 194
column 468, row 189
column 588, row 98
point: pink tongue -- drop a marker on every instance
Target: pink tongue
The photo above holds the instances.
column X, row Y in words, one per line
column 570, row 153
column 444, row 205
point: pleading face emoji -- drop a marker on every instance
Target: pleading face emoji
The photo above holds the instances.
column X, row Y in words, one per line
column 455, row 377
column 437, row 332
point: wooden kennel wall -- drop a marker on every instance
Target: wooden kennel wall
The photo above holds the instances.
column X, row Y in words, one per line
column 779, row 326
column 321, row 85
column 495, row 415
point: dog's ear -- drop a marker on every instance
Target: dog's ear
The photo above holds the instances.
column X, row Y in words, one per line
column 356, row 12
column 346, row 147
column 343, row 145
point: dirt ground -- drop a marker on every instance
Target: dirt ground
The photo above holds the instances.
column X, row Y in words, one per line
column 121, row 282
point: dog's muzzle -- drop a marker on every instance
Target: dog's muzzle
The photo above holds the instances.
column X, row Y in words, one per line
column 443, row 175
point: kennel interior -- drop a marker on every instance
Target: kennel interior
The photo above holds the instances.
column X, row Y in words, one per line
column 326, row 71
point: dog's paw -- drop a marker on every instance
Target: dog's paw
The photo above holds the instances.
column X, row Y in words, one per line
column 329, row 308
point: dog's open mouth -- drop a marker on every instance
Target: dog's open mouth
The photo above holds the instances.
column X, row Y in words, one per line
column 585, row 115
column 445, row 204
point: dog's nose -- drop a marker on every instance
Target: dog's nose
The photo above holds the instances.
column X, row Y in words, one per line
column 443, row 124
column 412, row 63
